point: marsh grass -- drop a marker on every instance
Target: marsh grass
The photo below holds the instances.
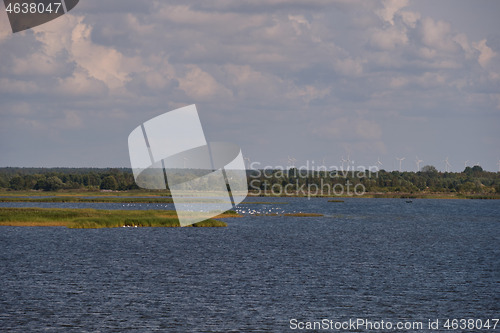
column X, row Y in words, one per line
column 83, row 193
column 303, row 214
column 93, row 218
column 98, row 199
column 108, row 199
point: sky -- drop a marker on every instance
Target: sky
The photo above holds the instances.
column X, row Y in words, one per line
column 309, row 80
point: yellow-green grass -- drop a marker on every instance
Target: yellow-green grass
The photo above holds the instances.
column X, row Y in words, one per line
column 79, row 199
column 108, row 199
column 303, row 214
column 94, row 218
column 84, row 193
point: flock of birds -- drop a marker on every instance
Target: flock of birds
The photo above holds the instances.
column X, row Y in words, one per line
column 148, row 205
column 264, row 211
column 243, row 211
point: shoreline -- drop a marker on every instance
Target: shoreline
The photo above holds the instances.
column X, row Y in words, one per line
column 95, row 218
column 164, row 196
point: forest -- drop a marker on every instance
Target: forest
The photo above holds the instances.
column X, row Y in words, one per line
column 472, row 180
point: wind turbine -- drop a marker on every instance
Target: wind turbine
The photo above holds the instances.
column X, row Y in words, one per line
column 417, row 161
column 465, row 164
column 248, row 160
column 291, row 162
column 322, row 166
column 184, row 161
column 400, row 160
column 447, row 165
column 379, row 163
column 498, row 165
column 342, row 161
column 348, row 159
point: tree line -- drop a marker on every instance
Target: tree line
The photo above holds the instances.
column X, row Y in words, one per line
column 471, row 180
column 54, row 179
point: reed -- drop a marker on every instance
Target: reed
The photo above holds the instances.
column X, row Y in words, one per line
column 303, row 214
column 79, row 199
column 94, row 218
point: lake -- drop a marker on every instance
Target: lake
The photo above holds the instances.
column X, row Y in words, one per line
column 372, row 259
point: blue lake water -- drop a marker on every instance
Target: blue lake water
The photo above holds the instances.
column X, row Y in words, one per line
column 378, row 259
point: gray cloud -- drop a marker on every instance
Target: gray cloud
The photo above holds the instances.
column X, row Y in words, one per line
column 303, row 78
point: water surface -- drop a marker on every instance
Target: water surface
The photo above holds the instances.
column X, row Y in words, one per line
column 380, row 259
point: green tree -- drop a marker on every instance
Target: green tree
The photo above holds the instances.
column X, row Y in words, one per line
column 52, row 183
column 109, row 183
column 430, row 170
column 17, row 183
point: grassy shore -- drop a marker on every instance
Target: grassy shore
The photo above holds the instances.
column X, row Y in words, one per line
column 100, row 199
column 164, row 196
column 82, row 193
column 387, row 195
column 93, row 218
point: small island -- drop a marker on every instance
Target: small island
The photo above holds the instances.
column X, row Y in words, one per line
column 96, row 218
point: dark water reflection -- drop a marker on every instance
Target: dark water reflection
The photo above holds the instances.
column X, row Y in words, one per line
column 379, row 259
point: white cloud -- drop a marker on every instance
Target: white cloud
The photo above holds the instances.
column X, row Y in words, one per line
column 18, row 87
column 349, row 66
column 398, row 82
column 200, row 85
column 388, row 39
column 5, row 29
column 279, row 66
column 70, row 120
column 68, row 40
column 485, row 53
column 437, row 34
column 391, row 7
column 299, row 23
column 410, row 18
column 38, row 64
column 103, row 63
column 55, row 35
column 463, row 41
column 430, row 80
column 81, row 84
column 310, row 93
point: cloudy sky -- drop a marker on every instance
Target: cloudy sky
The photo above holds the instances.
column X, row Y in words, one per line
column 310, row 79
